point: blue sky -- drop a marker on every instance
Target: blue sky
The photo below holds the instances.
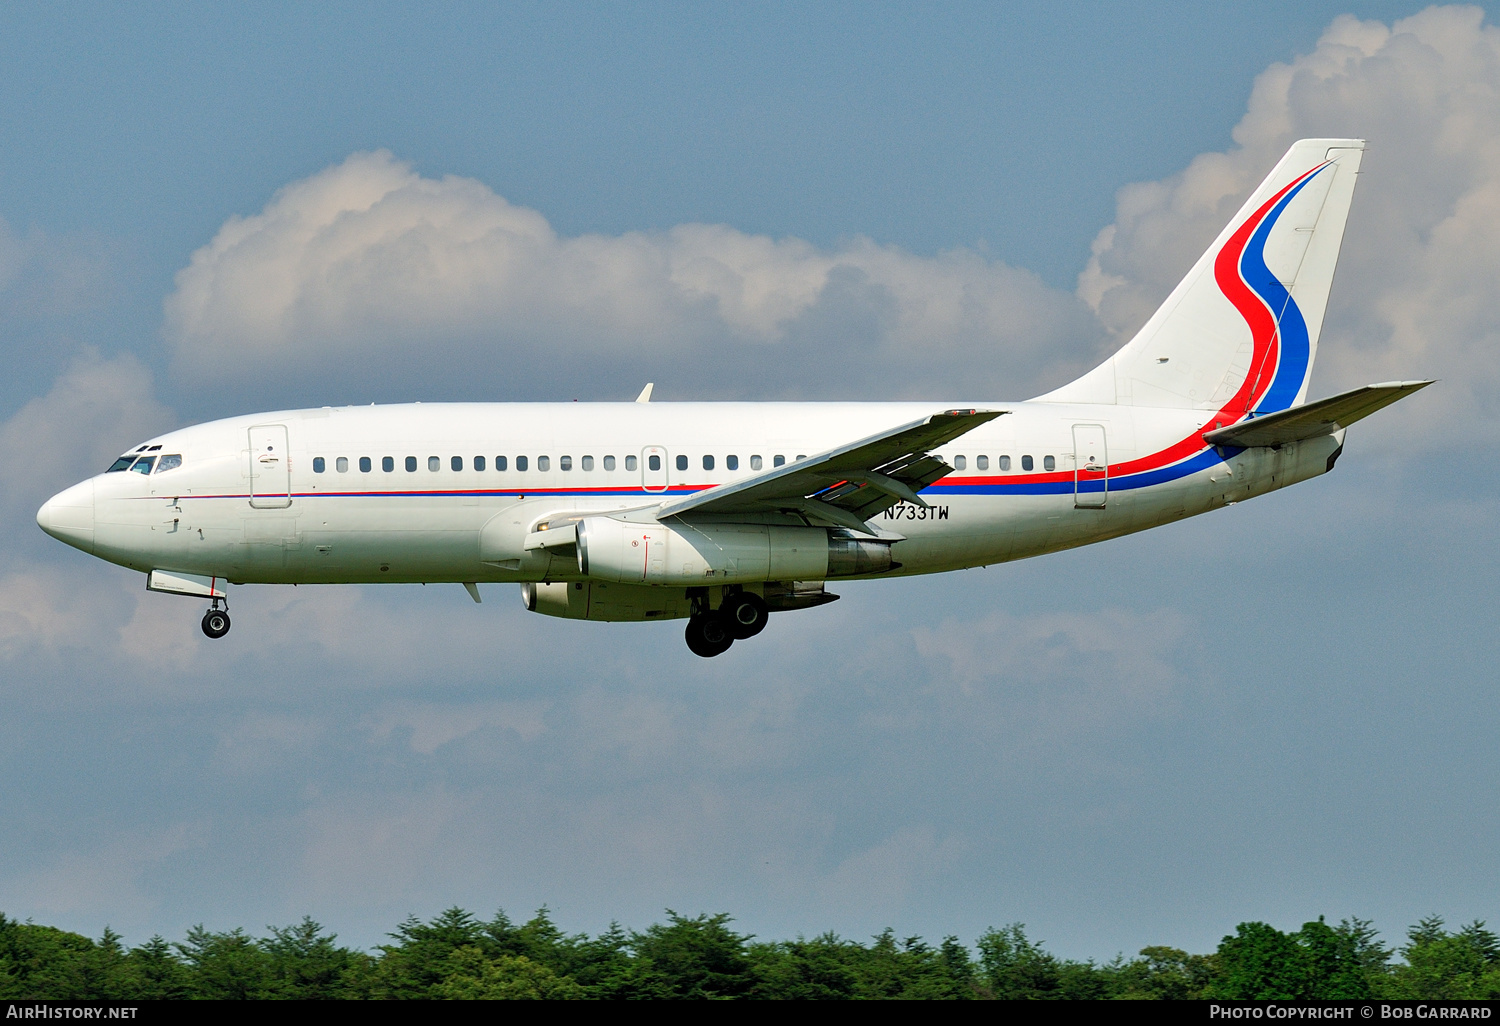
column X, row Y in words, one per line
column 1279, row 710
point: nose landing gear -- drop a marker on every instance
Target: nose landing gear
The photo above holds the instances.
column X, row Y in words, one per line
column 216, row 620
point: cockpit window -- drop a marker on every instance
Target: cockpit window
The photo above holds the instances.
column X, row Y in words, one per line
column 171, row 461
column 120, row 464
column 143, row 465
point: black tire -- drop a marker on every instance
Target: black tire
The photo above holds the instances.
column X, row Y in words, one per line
column 747, row 615
column 709, row 635
column 216, row 623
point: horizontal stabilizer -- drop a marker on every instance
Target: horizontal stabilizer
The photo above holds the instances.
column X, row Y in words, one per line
column 1313, row 419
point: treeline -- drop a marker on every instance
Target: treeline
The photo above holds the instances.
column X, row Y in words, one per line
column 457, row 956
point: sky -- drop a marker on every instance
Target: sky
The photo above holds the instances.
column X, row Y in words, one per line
column 1279, row 710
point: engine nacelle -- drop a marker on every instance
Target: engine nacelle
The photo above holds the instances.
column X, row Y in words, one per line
column 600, row 600
column 689, row 554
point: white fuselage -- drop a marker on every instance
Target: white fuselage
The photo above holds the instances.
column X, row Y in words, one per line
column 251, row 504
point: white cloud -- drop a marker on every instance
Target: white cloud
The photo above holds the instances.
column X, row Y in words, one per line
column 428, row 727
column 93, row 411
column 367, row 263
column 1421, row 261
column 45, row 276
column 105, row 881
column 1052, row 678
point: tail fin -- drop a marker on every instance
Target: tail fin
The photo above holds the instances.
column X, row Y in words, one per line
column 1239, row 333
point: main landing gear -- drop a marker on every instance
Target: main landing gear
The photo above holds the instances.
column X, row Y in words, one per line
column 710, row 632
column 216, row 620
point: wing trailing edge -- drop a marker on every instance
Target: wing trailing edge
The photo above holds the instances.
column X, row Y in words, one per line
column 848, row 485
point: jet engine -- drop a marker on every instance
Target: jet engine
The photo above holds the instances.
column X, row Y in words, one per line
column 693, row 554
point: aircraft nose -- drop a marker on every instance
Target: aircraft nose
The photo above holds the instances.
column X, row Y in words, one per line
column 69, row 516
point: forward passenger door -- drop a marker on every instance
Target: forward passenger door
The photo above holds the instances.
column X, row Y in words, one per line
column 270, row 467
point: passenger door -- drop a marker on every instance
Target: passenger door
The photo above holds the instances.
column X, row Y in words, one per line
column 1090, row 467
column 270, row 467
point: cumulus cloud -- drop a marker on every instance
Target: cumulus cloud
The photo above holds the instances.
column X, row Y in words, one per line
column 1055, row 677
column 44, row 275
column 367, row 266
column 93, row 411
column 1420, row 268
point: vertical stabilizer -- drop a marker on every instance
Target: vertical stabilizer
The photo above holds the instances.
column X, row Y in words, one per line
column 1239, row 333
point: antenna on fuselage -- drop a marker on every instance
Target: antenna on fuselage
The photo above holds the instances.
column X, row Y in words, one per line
column 645, row 396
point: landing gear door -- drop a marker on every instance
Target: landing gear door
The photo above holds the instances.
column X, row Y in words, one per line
column 270, row 467
column 1090, row 467
column 654, row 468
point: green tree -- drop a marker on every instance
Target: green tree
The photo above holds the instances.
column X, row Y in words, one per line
column 228, row 966
column 418, row 963
column 44, row 963
column 1012, row 967
column 1260, row 963
column 1166, row 974
column 474, row 976
column 305, row 963
column 825, row 968
column 1440, row 965
column 156, row 973
column 693, row 959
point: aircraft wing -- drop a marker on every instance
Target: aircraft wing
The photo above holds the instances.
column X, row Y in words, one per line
column 848, row 485
column 1313, row 419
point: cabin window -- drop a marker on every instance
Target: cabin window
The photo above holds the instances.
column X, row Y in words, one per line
column 732, row 462
column 801, row 456
column 653, row 462
column 586, row 463
column 143, row 465
column 411, row 464
column 364, row 464
column 478, row 462
column 959, row 463
column 755, row 463
column 565, row 463
column 387, row 463
column 120, row 464
column 544, row 463
column 434, row 463
column 457, row 463
column 708, row 463
column 1026, row 463
column 982, row 462
column 318, row 465
column 682, row 463
column 630, row 463
column 778, row 461
column 521, row 463
column 169, row 462
column 500, row 463
column 609, row 463
column 1004, row 462
column 341, row 464
column 1049, row 462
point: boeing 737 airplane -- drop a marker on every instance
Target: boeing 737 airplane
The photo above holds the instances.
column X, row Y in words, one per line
column 722, row 513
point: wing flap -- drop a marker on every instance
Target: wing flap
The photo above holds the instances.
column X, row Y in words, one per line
column 1313, row 419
